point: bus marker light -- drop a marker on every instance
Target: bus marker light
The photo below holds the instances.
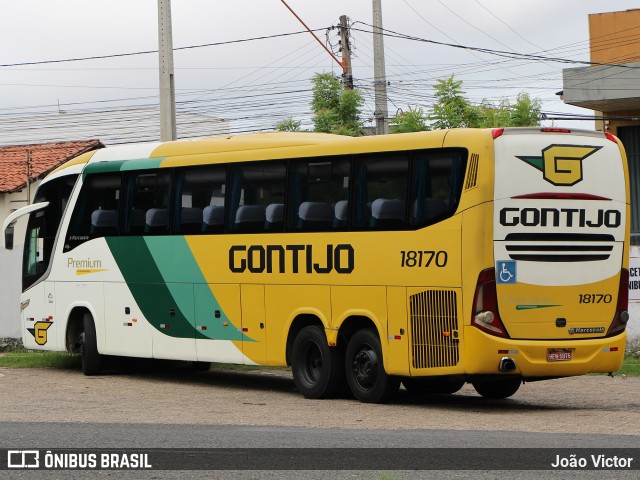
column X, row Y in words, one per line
column 127, row 324
column 446, row 334
column 245, row 329
column 50, row 318
column 397, row 337
column 612, row 349
column 555, row 130
column 332, row 344
column 24, row 304
column 164, row 325
column 225, row 324
column 508, row 352
column 611, row 137
column 134, row 320
column 30, row 319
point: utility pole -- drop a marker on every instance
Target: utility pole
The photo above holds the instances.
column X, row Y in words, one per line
column 167, row 87
column 28, row 172
column 345, row 48
column 381, row 112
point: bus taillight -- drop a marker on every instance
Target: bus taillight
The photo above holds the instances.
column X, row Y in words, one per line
column 622, row 313
column 485, row 305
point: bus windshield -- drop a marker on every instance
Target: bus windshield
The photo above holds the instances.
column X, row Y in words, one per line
column 43, row 227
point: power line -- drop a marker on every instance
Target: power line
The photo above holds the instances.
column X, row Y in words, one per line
column 146, row 52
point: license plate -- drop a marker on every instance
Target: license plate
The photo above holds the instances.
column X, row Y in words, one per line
column 559, row 355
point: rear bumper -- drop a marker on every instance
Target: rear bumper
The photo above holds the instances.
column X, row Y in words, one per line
column 482, row 355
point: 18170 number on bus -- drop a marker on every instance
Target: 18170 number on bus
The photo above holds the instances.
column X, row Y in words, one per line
column 423, row 258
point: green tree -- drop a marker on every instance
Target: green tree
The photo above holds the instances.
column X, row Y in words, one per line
column 288, row 125
column 413, row 120
column 452, row 109
column 526, row 111
column 335, row 110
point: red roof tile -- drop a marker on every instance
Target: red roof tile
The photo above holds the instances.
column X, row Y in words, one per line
column 44, row 157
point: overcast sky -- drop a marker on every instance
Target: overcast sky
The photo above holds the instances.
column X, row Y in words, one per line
column 254, row 84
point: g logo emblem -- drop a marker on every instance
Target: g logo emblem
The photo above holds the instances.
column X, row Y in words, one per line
column 39, row 332
column 561, row 165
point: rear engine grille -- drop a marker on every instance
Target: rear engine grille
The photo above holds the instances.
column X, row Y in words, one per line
column 434, row 329
column 559, row 247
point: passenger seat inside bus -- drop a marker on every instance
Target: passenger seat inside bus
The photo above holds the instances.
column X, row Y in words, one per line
column 250, row 219
column 274, row 217
column 156, row 221
column 386, row 213
column 315, row 216
column 104, row 223
column 341, row 214
column 213, row 219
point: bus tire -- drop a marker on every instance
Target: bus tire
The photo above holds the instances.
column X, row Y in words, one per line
column 498, row 389
column 91, row 359
column 364, row 367
column 432, row 386
column 317, row 368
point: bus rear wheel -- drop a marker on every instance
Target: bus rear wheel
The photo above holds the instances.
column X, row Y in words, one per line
column 435, row 386
column 366, row 377
column 91, row 359
column 318, row 370
column 498, row 389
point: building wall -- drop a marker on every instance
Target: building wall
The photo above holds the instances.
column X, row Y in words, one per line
column 613, row 37
column 10, row 263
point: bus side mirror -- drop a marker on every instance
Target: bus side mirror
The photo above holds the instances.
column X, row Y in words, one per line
column 8, row 238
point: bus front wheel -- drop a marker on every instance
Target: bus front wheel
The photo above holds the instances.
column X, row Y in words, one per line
column 366, row 377
column 317, row 368
column 91, row 359
column 498, row 389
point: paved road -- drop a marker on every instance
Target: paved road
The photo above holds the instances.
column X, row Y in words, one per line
column 179, row 409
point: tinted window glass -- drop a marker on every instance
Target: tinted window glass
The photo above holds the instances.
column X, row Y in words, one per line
column 381, row 192
column 257, row 197
column 147, row 206
column 436, row 186
column 96, row 212
column 319, row 195
column 200, row 200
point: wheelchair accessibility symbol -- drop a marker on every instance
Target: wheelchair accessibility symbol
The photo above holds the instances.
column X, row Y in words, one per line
column 506, row 271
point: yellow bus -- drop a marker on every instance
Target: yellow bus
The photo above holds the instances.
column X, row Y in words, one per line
column 430, row 259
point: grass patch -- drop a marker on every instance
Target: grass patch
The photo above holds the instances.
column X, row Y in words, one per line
column 630, row 366
column 35, row 359
column 39, row 359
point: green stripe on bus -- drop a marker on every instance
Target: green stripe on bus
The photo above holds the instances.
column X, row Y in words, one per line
column 169, row 287
column 122, row 165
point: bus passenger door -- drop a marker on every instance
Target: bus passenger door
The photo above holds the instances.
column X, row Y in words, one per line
column 254, row 343
column 218, row 323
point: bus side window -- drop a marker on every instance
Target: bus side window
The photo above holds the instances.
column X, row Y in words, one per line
column 96, row 212
column 199, row 200
column 147, row 203
column 381, row 192
column 436, row 186
column 319, row 194
column 254, row 188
